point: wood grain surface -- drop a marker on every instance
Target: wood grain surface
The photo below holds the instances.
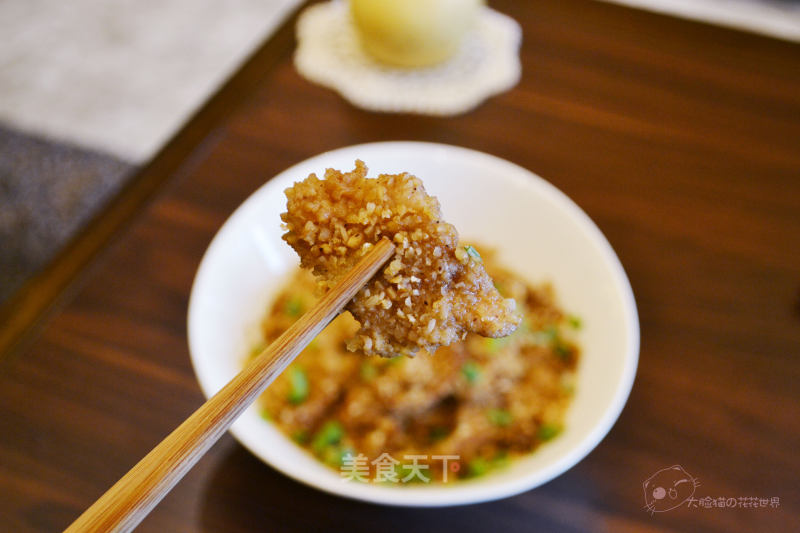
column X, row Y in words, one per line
column 131, row 498
column 680, row 140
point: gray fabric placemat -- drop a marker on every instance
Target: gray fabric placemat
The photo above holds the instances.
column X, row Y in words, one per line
column 48, row 190
column 122, row 76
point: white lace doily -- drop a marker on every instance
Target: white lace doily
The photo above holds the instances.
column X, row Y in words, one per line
column 328, row 53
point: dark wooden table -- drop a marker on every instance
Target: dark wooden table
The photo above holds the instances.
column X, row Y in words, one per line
column 682, row 141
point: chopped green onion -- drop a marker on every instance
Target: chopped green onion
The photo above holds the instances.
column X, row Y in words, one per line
column 332, row 455
column 471, row 371
column 266, row 415
column 500, row 417
column 553, row 337
column 473, row 253
column 562, row 350
column 338, row 455
column 477, row 467
column 548, row 431
column 494, row 345
column 575, row 322
column 301, row 436
column 438, row 433
column 368, row 371
column 501, row 459
column 294, row 306
column 298, row 385
column 330, row 433
column 396, row 360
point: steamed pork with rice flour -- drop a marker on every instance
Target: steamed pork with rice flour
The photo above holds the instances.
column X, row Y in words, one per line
column 497, row 386
column 433, row 291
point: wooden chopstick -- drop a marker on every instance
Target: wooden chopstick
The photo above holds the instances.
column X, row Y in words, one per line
column 129, row 500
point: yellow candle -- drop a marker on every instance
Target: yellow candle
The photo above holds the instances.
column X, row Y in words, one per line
column 413, row 33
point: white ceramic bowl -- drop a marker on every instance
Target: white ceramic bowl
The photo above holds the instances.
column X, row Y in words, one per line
column 537, row 231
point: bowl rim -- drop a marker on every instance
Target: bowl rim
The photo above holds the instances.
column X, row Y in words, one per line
column 468, row 491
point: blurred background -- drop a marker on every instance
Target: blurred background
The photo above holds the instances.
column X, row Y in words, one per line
column 91, row 89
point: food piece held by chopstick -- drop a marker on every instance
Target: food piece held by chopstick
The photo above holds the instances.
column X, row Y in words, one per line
column 431, row 293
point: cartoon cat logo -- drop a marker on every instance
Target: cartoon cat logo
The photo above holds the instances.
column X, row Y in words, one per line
column 668, row 488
